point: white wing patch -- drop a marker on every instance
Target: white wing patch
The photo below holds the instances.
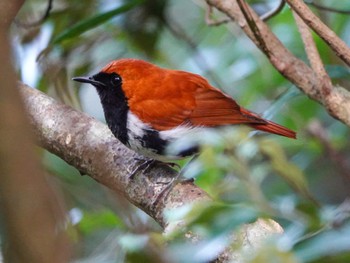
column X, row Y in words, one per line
column 137, row 129
column 178, row 133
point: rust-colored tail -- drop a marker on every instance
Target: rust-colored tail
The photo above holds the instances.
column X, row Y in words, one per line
column 269, row 126
column 275, row 128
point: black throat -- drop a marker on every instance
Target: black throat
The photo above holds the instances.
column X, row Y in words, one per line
column 114, row 103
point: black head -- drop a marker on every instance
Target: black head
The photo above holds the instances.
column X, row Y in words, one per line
column 108, row 85
column 102, row 80
column 114, row 102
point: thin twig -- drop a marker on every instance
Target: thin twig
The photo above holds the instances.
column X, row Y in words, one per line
column 313, row 55
column 211, row 22
column 40, row 21
column 329, row 9
column 321, row 29
column 273, row 12
column 253, row 26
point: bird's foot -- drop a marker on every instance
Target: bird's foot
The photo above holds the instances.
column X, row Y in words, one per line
column 144, row 166
column 148, row 164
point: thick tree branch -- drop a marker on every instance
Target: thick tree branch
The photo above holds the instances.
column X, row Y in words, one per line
column 337, row 102
column 89, row 146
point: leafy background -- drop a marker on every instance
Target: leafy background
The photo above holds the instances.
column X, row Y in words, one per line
column 302, row 184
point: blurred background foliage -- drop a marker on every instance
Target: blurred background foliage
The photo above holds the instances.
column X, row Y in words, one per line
column 303, row 184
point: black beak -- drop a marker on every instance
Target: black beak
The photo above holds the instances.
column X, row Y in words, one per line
column 89, row 80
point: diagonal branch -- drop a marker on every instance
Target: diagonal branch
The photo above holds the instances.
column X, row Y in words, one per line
column 253, row 26
column 314, row 56
column 333, row 41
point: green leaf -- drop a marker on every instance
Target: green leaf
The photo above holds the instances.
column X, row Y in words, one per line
column 97, row 220
column 94, row 21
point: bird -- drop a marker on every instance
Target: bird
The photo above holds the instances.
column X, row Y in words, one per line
column 148, row 107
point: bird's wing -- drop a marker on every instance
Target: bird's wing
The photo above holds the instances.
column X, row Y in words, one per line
column 214, row 108
column 181, row 98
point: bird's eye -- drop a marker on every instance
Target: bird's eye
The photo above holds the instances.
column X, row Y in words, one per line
column 116, row 80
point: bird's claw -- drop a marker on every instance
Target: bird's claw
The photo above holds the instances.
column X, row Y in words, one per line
column 148, row 164
column 144, row 166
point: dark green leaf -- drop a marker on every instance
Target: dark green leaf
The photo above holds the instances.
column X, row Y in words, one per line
column 94, row 21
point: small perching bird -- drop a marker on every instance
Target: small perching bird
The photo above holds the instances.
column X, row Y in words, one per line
column 148, row 107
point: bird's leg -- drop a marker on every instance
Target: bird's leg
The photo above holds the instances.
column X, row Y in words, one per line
column 177, row 178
